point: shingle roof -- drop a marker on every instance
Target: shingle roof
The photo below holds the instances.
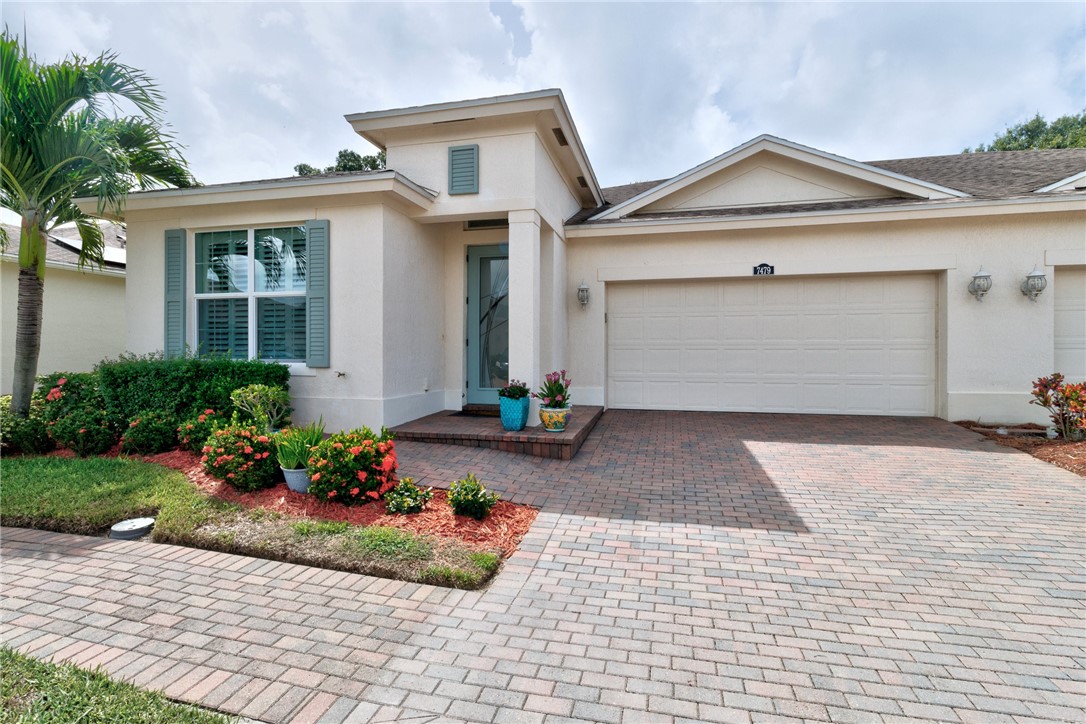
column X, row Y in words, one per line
column 999, row 174
column 994, row 174
column 63, row 245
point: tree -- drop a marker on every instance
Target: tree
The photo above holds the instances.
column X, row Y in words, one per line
column 346, row 160
column 58, row 143
column 1064, row 132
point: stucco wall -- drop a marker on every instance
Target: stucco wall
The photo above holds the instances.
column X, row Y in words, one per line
column 990, row 351
column 83, row 320
column 414, row 320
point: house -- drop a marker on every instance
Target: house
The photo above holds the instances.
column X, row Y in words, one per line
column 774, row 277
column 83, row 310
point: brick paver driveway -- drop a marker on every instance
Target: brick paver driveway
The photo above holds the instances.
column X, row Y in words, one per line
column 712, row 567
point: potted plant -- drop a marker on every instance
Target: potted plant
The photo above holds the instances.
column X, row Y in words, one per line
column 554, row 397
column 513, row 403
column 292, row 447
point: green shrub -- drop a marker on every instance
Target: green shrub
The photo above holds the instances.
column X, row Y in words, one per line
column 353, row 467
column 193, row 433
column 469, row 497
column 241, row 455
column 407, row 497
column 151, row 432
column 84, row 431
column 26, row 435
column 62, row 393
column 266, row 405
column 182, row 386
column 293, row 445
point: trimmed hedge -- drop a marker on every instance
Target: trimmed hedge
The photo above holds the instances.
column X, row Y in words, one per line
column 180, row 386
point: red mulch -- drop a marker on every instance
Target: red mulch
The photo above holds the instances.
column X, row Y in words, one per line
column 503, row 529
column 1067, row 454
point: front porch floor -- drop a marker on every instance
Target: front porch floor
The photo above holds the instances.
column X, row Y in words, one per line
column 453, row 428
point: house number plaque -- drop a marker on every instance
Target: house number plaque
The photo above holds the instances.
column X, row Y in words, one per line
column 763, row 270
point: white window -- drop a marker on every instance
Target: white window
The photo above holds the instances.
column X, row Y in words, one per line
column 250, row 293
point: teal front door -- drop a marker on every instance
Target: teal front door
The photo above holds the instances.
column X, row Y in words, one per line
column 488, row 323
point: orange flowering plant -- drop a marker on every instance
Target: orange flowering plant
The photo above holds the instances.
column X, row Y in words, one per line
column 194, row 432
column 242, row 455
column 1065, row 402
column 353, row 467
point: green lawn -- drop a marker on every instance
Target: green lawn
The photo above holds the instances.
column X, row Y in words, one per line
column 88, row 495
column 38, row 691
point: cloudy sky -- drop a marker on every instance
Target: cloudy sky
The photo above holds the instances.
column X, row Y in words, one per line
column 654, row 88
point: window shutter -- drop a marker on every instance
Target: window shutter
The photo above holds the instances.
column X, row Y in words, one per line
column 317, row 293
column 464, row 169
column 174, row 321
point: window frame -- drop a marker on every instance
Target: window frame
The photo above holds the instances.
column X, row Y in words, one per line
column 297, row 367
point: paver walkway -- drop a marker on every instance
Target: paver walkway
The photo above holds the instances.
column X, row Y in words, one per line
column 710, row 567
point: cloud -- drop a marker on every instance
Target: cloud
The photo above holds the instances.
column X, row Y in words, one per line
column 655, row 88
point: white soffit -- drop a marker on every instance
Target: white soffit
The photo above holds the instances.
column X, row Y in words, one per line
column 788, row 149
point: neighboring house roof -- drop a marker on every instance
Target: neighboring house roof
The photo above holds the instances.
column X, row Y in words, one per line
column 997, row 174
column 63, row 246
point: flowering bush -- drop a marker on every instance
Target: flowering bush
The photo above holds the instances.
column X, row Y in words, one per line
column 554, row 392
column 515, row 390
column 353, row 467
column 26, row 435
column 63, row 393
column 194, row 432
column 407, row 497
column 150, row 432
column 84, row 431
column 469, row 497
column 240, row 454
column 1065, row 402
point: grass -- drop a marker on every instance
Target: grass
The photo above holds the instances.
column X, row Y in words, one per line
column 38, row 691
column 88, row 495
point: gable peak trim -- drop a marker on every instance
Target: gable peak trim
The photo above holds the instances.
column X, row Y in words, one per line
column 790, row 149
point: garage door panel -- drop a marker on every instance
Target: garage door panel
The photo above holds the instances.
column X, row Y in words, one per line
column 663, row 329
column 1069, row 322
column 663, row 361
column 852, row 345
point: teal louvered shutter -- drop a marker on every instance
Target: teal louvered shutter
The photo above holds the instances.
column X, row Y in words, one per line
column 317, row 300
column 464, row 169
column 174, row 320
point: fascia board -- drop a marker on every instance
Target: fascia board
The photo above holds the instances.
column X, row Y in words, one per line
column 934, row 210
column 68, row 266
column 1081, row 176
column 789, row 149
column 389, row 182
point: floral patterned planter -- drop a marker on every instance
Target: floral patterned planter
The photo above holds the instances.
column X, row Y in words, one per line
column 554, row 419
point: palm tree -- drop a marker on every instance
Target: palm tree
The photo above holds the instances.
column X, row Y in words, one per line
column 58, row 143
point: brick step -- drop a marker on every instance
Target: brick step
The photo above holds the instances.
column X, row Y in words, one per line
column 453, row 427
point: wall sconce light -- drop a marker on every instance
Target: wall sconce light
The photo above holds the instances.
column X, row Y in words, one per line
column 1034, row 284
column 582, row 294
column 980, row 284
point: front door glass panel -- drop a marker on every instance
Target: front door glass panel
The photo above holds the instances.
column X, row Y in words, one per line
column 488, row 323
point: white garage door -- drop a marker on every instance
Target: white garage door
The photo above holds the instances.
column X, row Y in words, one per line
column 1069, row 300
column 847, row 345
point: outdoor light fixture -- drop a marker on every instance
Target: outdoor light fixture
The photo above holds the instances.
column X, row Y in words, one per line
column 980, row 284
column 1034, row 284
column 582, row 294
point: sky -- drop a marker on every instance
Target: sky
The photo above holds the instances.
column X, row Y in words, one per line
column 654, row 88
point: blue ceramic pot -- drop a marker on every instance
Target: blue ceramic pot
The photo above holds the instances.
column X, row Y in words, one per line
column 514, row 413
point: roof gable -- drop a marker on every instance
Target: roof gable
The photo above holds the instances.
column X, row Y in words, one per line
column 768, row 171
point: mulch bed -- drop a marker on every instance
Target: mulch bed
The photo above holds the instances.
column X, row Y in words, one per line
column 502, row 530
column 1067, row 454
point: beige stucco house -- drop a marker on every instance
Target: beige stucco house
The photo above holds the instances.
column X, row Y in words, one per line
column 83, row 312
column 772, row 278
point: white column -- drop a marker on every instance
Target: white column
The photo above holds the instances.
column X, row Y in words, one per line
column 524, row 305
